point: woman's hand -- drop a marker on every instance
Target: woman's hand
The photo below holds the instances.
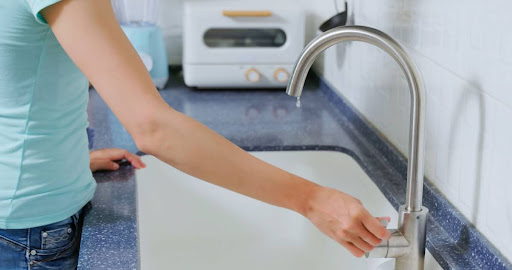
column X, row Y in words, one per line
column 104, row 159
column 344, row 219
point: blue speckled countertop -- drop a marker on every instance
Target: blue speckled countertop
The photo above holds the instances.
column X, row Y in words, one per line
column 268, row 120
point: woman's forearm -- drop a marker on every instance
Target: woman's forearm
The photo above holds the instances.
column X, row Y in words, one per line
column 115, row 69
column 195, row 149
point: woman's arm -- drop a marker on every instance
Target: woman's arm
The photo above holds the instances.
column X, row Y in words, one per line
column 91, row 36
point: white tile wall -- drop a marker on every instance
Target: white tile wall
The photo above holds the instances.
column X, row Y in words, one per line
column 464, row 51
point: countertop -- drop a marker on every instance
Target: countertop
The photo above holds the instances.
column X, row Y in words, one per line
column 265, row 120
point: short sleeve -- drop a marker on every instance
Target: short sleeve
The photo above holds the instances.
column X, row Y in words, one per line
column 35, row 7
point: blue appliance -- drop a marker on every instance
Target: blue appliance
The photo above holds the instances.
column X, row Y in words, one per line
column 149, row 43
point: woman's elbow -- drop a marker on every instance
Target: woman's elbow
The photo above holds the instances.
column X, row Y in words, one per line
column 146, row 135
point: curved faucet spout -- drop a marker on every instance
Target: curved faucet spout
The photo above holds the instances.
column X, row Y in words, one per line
column 417, row 119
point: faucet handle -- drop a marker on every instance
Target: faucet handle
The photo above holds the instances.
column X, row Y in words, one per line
column 395, row 247
column 380, row 251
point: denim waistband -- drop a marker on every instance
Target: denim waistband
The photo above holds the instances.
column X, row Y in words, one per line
column 31, row 238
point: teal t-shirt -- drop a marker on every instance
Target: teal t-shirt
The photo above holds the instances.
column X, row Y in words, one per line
column 44, row 155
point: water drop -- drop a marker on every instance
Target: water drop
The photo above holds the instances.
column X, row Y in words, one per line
column 298, row 102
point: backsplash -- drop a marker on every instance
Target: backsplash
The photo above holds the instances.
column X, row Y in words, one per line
column 464, row 51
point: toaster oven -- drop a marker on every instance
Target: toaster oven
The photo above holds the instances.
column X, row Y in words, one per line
column 242, row 45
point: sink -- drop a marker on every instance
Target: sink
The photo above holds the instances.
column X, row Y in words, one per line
column 186, row 223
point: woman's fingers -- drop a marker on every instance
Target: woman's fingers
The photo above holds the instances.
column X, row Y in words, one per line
column 373, row 226
column 352, row 248
column 118, row 154
column 104, row 164
column 387, row 220
column 135, row 160
column 368, row 237
column 361, row 244
column 355, row 236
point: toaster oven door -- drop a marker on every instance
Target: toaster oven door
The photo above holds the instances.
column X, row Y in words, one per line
column 244, row 38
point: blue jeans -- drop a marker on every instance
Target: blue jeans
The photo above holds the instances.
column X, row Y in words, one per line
column 53, row 246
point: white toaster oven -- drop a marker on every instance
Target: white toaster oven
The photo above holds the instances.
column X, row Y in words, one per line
column 244, row 45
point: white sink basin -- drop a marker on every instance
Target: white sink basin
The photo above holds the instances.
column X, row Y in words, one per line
column 185, row 223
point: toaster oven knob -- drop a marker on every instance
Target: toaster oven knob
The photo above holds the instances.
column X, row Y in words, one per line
column 281, row 75
column 253, row 75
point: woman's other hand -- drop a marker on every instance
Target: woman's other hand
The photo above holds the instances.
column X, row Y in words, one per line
column 104, row 159
column 344, row 219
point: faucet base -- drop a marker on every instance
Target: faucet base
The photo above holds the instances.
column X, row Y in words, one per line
column 413, row 226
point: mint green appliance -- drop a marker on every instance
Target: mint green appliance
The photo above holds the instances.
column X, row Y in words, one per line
column 138, row 19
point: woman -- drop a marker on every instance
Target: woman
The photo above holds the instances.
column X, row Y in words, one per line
column 47, row 49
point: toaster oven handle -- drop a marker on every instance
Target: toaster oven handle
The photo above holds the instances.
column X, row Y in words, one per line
column 247, row 13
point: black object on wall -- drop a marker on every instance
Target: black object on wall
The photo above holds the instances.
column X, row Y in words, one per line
column 337, row 20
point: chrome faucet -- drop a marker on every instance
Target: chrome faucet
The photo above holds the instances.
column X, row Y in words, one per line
column 407, row 243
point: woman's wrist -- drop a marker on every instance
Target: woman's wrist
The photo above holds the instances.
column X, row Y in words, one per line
column 304, row 194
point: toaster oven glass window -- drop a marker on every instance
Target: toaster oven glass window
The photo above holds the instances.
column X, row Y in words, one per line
column 249, row 37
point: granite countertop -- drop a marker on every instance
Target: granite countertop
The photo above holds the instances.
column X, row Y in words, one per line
column 261, row 120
